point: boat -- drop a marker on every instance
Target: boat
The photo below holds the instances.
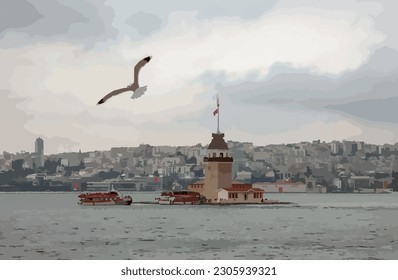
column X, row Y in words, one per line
column 111, row 197
column 384, row 190
column 373, row 190
column 180, row 197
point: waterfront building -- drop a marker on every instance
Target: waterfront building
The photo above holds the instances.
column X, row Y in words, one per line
column 243, row 176
column 240, row 193
column 217, row 185
column 285, row 186
column 360, row 182
column 137, row 183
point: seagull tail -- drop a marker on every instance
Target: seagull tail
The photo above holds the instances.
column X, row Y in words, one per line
column 139, row 92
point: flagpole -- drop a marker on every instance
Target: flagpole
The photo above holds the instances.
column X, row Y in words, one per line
column 218, row 114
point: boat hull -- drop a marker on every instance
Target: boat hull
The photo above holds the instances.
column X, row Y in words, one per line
column 91, row 203
column 180, row 198
column 107, row 198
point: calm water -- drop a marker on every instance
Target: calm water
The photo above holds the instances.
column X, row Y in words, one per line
column 317, row 226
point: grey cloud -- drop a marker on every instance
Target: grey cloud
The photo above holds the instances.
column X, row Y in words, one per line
column 383, row 62
column 379, row 110
column 206, row 9
column 90, row 21
column 378, row 104
column 368, row 94
column 285, row 85
column 77, row 21
column 57, row 19
column 17, row 13
column 144, row 23
column 243, row 9
column 250, row 9
column 295, row 86
column 385, row 22
column 145, row 17
column 289, row 98
column 98, row 24
column 260, row 118
column 50, row 17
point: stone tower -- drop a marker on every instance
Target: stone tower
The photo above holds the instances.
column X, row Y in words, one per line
column 217, row 167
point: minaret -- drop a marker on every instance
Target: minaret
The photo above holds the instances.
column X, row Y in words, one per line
column 218, row 164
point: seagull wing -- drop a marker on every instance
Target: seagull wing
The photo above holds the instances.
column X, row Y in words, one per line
column 113, row 93
column 138, row 67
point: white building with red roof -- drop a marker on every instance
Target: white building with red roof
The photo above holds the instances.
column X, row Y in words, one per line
column 240, row 193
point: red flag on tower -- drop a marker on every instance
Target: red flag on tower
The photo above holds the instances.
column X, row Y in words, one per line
column 215, row 112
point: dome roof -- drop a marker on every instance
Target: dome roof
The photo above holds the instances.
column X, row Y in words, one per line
column 218, row 143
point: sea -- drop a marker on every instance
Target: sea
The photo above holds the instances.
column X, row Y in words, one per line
column 50, row 226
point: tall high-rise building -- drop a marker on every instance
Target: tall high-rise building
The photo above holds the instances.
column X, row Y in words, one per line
column 335, row 147
column 39, row 146
column 38, row 156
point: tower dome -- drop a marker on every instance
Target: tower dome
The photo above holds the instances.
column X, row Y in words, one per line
column 218, row 142
column 218, row 149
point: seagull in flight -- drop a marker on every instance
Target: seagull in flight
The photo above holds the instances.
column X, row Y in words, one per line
column 138, row 91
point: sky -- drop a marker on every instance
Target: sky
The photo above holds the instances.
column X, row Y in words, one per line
column 286, row 71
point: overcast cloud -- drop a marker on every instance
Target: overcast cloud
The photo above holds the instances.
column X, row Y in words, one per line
column 286, row 71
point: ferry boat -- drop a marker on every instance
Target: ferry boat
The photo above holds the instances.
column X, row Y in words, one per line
column 111, row 197
column 180, row 197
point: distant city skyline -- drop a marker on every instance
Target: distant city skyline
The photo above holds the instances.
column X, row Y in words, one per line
column 336, row 146
column 286, row 72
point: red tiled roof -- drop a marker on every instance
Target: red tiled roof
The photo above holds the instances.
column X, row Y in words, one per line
column 283, row 183
column 257, row 190
column 200, row 182
column 240, row 185
column 248, row 189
